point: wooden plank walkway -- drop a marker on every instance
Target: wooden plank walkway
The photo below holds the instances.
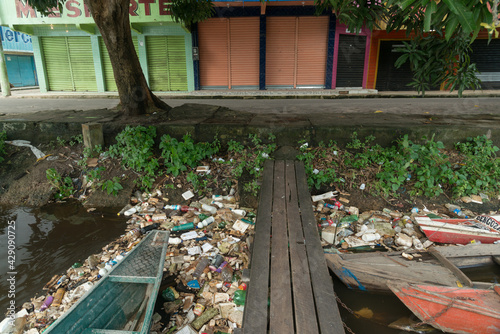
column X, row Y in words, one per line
column 290, row 289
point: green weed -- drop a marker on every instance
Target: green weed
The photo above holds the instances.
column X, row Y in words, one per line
column 64, row 186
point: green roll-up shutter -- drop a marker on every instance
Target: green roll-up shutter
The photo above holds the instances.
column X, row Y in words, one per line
column 109, row 78
column 69, row 63
column 167, row 63
column 82, row 63
column 56, row 59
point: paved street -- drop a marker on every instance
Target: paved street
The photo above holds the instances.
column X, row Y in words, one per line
column 29, row 102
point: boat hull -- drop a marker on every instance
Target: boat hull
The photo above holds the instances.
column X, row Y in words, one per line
column 450, row 309
column 456, row 231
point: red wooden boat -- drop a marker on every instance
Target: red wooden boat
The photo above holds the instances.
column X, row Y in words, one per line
column 460, row 231
column 451, row 309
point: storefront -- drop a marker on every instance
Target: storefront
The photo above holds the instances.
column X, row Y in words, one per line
column 19, row 59
column 70, row 55
column 229, row 53
column 486, row 55
column 273, row 47
column 351, row 58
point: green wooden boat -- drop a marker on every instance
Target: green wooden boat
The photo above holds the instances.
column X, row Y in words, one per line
column 122, row 301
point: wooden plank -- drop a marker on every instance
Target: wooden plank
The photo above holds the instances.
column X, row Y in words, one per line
column 255, row 317
column 303, row 300
column 447, row 264
column 372, row 273
column 326, row 305
column 281, row 313
column 469, row 250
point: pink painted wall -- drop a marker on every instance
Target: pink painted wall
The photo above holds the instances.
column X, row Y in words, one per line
column 342, row 29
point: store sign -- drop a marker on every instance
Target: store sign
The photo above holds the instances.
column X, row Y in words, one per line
column 78, row 9
column 15, row 40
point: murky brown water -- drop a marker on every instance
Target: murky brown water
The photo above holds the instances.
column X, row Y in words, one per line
column 48, row 241
column 387, row 308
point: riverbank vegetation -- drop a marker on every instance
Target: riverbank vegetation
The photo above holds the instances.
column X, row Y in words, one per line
column 406, row 168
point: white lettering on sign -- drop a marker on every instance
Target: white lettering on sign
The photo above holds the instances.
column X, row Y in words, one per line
column 489, row 221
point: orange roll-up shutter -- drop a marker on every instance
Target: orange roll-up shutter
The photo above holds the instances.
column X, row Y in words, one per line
column 244, row 52
column 280, row 51
column 312, row 51
column 213, row 44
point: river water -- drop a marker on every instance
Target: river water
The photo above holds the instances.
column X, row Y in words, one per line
column 48, row 241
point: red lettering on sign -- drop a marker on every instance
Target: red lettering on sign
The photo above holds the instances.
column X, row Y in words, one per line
column 147, row 9
column 54, row 12
column 71, row 7
column 23, row 8
column 133, row 8
column 164, row 7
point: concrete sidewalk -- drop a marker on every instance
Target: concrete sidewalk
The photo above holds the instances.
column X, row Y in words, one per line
column 34, row 92
column 313, row 115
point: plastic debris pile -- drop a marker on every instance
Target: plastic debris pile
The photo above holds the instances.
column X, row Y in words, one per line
column 205, row 273
column 344, row 228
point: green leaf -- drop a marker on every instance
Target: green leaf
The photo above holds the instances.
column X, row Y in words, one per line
column 451, row 26
column 430, row 10
column 464, row 15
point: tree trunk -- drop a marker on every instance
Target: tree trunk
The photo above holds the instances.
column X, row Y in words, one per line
column 112, row 19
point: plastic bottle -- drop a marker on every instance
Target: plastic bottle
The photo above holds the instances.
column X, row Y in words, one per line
column 183, row 227
column 239, row 297
column 200, row 267
column 125, row 208
column 46, row 303
column 227, row 273
column 58, row 297
column 183, row 208
column 417, row 243
column 239, row 212
column 132, row 210
column 456, row 210
column 149, row 228
column 63, row 277
column 209, row 208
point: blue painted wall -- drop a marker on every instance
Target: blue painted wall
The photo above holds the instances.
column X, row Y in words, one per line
column 15, row 41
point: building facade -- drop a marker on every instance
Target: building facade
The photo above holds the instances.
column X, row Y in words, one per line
column 70, row 55
column 244, row 45
column 19, row 59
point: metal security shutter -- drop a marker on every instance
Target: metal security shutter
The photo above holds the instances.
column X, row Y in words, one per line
column 167, row 63
column 312, row 51
column 69, row 63
column 296, row 50
column 109, row 77
column 244, row 52
column 82, row 63
column 390, row 78
column 486, row 58
column 57, row 65
column 351, row 61
column 213, row 43
column 280, row 52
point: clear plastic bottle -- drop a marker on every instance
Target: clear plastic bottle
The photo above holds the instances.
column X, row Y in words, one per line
column 227, row 273
column 456, row 210
column 200, row 267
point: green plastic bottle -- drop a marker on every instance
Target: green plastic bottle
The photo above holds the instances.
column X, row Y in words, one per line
column 239, row 297
column 183, row 227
